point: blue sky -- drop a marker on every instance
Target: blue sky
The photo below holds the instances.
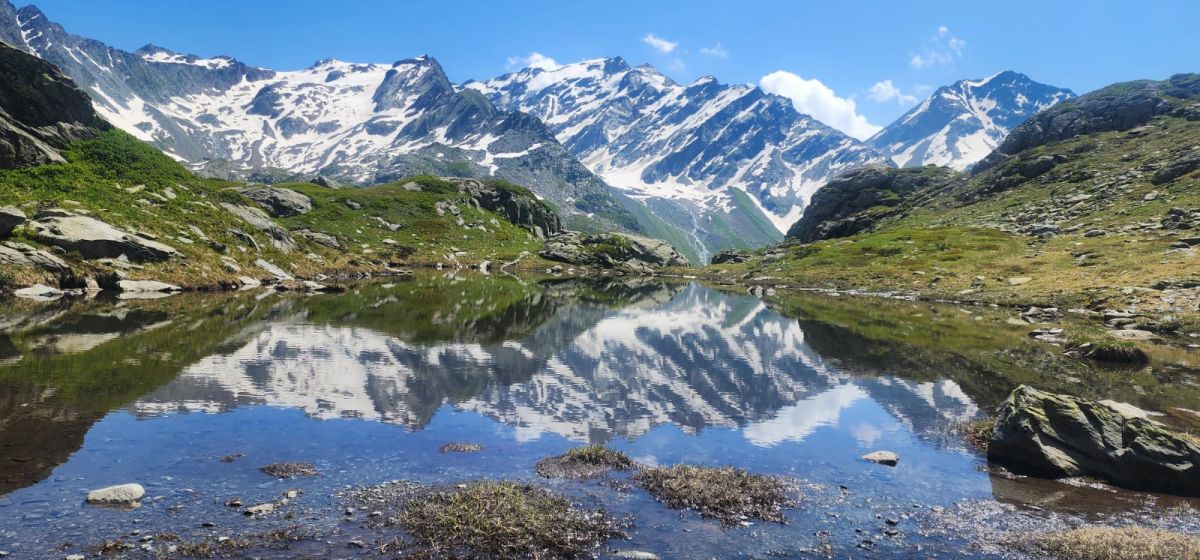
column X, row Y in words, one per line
column 855, row 65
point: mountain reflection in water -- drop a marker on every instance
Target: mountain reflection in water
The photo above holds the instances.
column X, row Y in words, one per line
column 587, row 370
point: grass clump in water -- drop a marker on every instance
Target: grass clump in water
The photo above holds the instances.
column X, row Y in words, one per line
column 1118, row 543
column 728, row 494
column 503, row 520
column 1107, row 349
column 978, row 432
column 584, row 462
column 290, row 470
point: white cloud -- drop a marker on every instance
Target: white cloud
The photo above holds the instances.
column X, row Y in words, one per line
column 534, row 60
column 659, row 44
column 885, row 91
column 940, row 49
column 715, row 51
column 815, row 98
column 677, row 65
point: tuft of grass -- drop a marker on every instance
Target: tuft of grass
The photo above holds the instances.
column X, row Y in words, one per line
column 1118, row 543
column 978, row 433
column 727, row 494
column 1107, row 349
column 504, row 520
column 290, row 470
column 584, row 462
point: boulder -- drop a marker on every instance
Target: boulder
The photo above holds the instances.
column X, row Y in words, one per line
column 883, row 458
column 612, row 250
column 273, row 270
column 1050, row 435
column 122, row 495
column 278, row 201
column 39, row 292
column 95, row 239
column 147, row 286
column 280, row 237
column 326, row 182
column 319, row 238
column 10, row 218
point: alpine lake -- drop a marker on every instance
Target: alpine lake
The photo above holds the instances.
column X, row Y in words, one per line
column 191, row 395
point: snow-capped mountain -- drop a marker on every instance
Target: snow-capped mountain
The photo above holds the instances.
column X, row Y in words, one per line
column 356, row 123
column 700, row 148
column 961, row 123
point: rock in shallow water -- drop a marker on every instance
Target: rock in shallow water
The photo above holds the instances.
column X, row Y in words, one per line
column 1051, row 435
column 125, row 495
column 882, row 457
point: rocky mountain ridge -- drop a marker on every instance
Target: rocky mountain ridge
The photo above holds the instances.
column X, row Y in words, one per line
column 353, row 123
column 732, row 164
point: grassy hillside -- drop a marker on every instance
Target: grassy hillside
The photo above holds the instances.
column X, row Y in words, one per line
column 126, row 183
column 1103, row 216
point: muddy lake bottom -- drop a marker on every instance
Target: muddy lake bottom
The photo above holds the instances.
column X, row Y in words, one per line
column 190, row 395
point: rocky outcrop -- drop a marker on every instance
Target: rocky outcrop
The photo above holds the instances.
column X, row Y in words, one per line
column 515, row 204
column 612, row 250
column 20, row 254
column 730, row 256
column 94, row 239
column 1117, row 107
column 278, row 201
column 41, row 111
column 280, row 237
column 1051, row 435
column 857, row 200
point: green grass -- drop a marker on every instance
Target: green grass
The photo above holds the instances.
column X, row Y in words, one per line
column 125, row 182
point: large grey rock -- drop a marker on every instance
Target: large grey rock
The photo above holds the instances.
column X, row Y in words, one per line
column 612, row 250
column 39, row 292
column 123, row 495
column 1051, row 435
column 147, row 286
column 278, row 201
column 280, row 237
column 95, row 239
column 319, row 238
column 10, row 218
column 273, row 270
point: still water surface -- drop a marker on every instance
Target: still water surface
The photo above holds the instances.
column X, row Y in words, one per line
column 368, row 384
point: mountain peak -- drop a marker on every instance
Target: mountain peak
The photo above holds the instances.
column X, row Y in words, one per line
column 963, row 122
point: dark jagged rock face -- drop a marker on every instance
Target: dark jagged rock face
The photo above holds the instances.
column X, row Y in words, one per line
column 41, row 111
column 520, row 208
column 961, row 123
column 357, row 124
column 1117, row 107
column 857, row 200
column 1062, row 436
